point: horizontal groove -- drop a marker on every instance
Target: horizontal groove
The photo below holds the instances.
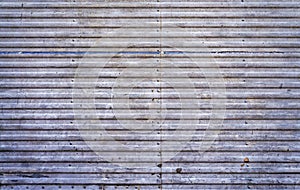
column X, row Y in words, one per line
column 97, row 37
column 75, row 47
column 129, row 140
column 238, row 7
column 155, row 135
column 72, row 6
column 74, row 66
column 221, row 183
column 149, row 17
column 137, row 27
column 147, row 183
column 154, row 87
column 186, row 129
column 157, row 76
column 165, row 54
column 200, row 108
column 70, row 98
column 116, row 27
column 163, row 172
column 133, row 151
column 68, row 86
column 279, row 55
column 120, row 162
column 147, row 4
column 225, row 119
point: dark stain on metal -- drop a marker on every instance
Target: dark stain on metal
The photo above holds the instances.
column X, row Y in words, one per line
column 178, row 170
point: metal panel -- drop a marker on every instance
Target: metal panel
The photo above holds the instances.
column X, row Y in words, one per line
column 149, row 94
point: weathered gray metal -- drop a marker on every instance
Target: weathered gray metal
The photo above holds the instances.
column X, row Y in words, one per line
column 255, row 45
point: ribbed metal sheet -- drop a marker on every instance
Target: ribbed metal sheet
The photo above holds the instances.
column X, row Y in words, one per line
column 123, row 95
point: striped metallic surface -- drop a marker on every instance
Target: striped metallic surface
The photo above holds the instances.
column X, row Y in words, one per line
column 147, row 94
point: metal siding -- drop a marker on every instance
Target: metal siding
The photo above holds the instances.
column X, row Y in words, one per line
column 254, row 43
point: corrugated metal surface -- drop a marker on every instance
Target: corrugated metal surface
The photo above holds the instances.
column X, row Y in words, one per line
column 152, row 74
